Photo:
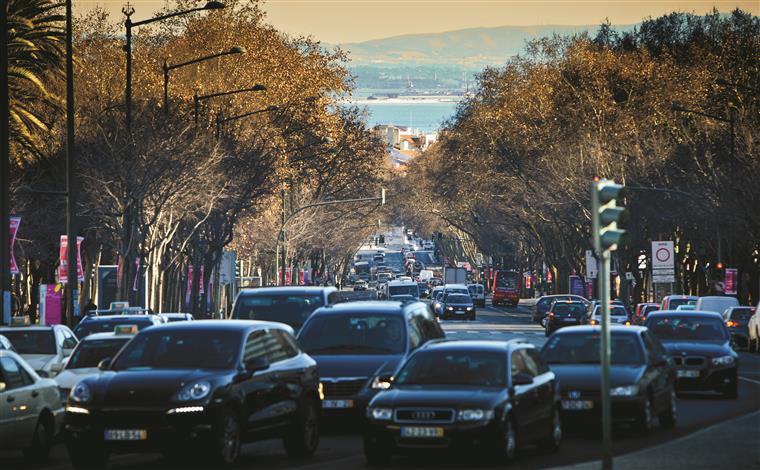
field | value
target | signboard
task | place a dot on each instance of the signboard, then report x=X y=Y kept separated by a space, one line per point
x=663 y=262
x=592 y=268
x=576 y=286
x=63 y=265
x=107 y=285
x=730 y=281
x=15 y=222
x=227 y=268
x=51 y=303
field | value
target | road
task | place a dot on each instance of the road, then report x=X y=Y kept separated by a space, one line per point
x=343 y=450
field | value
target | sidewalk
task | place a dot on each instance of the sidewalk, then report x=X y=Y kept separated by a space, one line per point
x=730 y=444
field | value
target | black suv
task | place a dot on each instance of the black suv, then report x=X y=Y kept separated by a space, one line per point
x=543 y=304
x=491 y=395
x=203 y=385
x=359 y=345
x=565 y=313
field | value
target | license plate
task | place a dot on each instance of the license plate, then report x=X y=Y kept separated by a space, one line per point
x=125 y=434
x=577 y=404
x=421 y=432
x=337 y=404
x=690 y=374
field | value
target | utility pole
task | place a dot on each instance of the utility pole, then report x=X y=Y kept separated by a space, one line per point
x=71 y=231
x=5 y=170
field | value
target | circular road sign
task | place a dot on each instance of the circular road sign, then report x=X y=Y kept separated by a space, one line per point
x=662 y=254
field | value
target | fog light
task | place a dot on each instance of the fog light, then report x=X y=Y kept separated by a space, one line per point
x=185 y=409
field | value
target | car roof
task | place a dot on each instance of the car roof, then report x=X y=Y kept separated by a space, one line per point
x=685 y=313
x=222 y=325
x=452 y=286
x=30 y=327
x=402 y=282
x=598 y=329
x=371 y=306
x=107 y=335
x=286 y=289
x=471 y=344
x=681 y=296
x=95 y=318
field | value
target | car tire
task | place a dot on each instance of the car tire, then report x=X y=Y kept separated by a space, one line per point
x=668 y=417
x=39 y=451
x=302 y=439
x=553 y=439
x=377 y=454
x=86 y=456
x=508 y=443
x=226 y=446
x=645 y=422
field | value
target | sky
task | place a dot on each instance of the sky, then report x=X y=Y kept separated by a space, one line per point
x=346 y=21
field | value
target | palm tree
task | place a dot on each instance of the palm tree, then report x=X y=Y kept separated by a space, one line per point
x=36 y=51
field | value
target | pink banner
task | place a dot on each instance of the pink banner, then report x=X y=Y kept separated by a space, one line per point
x=53 y=304
x=202 y=282
x=135 y=283
x=730 y=280
x=189 y=289
x=15 y=222
x=63 y=265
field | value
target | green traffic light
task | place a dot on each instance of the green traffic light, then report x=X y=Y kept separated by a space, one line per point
x=613 y=214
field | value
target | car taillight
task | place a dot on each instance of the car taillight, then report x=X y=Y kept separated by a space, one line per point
x=732 y=324
x=593 y=322
x=627 y=323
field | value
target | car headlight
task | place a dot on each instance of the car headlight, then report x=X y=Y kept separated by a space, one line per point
x=723 y=361
x=81 y=393
x=626 y=391
x=469 y=309
x=381 y=383
x=450 y=308
x=194 y=391
x=380 y=414
x=474 y=415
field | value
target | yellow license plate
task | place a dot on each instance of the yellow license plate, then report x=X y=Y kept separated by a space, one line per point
x=421 y=432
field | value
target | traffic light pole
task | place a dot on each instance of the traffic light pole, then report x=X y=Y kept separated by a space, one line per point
x=604 y=296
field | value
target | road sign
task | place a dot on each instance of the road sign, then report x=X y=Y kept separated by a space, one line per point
x=663 y=262
x=592 y=269
x=629 y=276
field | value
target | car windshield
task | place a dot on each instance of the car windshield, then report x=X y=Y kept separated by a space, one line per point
x=180 y=349
x=583 y=348
x=649 y=309
x=87 y=328
x=569 y=309
x=741 y=315
x=357 y=333
x=292 y=309
x=90 y=353
x=506 y=280
x=683 y=327
x=403 y=290
x=458 y=299
x=473 y=368
x=615 y=311
x=674 y=303
x=31 y=341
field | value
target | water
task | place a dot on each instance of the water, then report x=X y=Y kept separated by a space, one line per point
x=426 y=116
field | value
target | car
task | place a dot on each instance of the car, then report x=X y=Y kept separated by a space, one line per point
x=6 y=344
x=87 y=355
x=737 y=321
x=671 y=302
x=486 y=396
x=424 y=290
x=478 y=294
x=202 y=388
x=359 y=346
x=107 y=323
x=172 y=317
x=544 y=303
x=402 y=287
x=564 y=313
x=701 y=348
x=716 y=303
x=753 y=327
x=642 y=376
x=42 y=347
x=618 y=315
x=641 y=312
x=289 y=305
x=383 y=278
x=459 y=306
x=31 y=413
x=360 y=285
x=456 y=288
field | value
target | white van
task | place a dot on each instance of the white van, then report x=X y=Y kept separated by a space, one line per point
x=716 y=303
x=478 y=294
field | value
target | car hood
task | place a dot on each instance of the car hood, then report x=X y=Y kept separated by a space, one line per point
x=38 y=361
x=459 y=305
x=587 y=376
x=70 y=377
x=145 y=387
x=443 y=396
x=356 y=366
x=700 y=348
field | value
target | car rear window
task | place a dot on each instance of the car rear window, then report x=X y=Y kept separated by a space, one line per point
x=359 y=333
x=741 y=315
x=87 y=328
x=292 y=309
x=583 y=348
x=31 y=341
x=569 y=309
x=683 y=327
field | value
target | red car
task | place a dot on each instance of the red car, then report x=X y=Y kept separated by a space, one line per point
x=641 y=312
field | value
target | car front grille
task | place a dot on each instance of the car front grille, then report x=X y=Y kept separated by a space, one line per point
x=424 y=415
x=343 y=387
x=689 y=360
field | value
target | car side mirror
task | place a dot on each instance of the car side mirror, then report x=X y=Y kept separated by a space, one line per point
x=256 y=364
x=56 y=368
x=522 y=379
x=104 y=364
x=67 y=351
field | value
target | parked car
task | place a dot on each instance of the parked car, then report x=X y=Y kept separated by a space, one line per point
x=565 y=313
x=753 y=327
x=459 y=306
x=289 y=305
x=478 y=294
x=359 y=346
x=716 y=303
x=203 y=386
x=488 y=396
x=671 y=302
x=108 y=323
x=544 y=303
x=172 y=317
x=642 y=376
x=737 y=321
x=618 y=315
x=42 y=347
x=700 y=345
x=31 y=413
x=641 y=312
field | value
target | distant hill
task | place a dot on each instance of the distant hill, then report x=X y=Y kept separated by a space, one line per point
x=466 y=47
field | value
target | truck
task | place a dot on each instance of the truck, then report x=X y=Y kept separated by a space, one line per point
x=454 y=275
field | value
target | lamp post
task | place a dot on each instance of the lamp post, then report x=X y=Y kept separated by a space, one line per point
x=197 y=99
x=5 y=169
x=221 y=120
x=71 y=188
x=167 y=68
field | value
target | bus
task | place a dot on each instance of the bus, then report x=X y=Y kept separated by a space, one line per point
x=506 y=288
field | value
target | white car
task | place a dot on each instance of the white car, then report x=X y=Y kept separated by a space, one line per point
x=478 y=294
x=618 y=315
x=754 y=330
x=31 y=413
x=43 y=347
x=84 y=361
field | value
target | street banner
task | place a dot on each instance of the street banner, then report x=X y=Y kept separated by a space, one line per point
x=589 y=289
x=301 y=277
x=189 y=289
x=592 y=268
x=52 y=298
x=14 y=223
x=63 y=265
x=118 y=272
x=135 y=285
x=227 y=268
x=730 y=282
x=576 y=285
x=202 y=281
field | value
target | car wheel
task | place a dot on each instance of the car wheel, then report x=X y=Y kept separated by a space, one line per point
x=377 y=454
x=668 y=417
x=508 y=449
x=42 y=440
x=85 y=456
x=302 y=439
x=227 y=445
x=645 y=423
x=553 y=439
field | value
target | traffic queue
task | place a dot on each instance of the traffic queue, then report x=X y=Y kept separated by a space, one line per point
x=289 y=358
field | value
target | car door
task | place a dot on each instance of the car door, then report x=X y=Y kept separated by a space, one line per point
x=658 y=370
x=543 y=381
x=256 y=388
x=7 y=436
x=286 y=373
x=523 y=397
x=19 y=400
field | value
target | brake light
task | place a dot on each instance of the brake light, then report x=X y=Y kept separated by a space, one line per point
x=593 y=322
x=551 y=315
x=627 y=323
x=732 y=323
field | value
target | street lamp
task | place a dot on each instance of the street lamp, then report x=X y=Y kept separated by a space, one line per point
x=167 y=68
x=220 y=120
x=197 y=99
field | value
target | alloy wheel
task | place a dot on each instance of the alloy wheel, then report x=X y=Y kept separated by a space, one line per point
x=510 y=441
x=230 y=440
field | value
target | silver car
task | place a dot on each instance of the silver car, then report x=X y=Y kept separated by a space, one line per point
x=43 y=347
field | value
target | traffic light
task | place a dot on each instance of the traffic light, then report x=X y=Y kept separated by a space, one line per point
x=606 y=215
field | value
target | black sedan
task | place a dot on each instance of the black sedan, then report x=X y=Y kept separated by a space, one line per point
x=701 y=348
x=482 y=396
x=565 y=313
x=642 y=376
x=737 y=321
x=198 y=387
x=459 y=307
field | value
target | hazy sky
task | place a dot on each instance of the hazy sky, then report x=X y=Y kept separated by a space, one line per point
x=340 y=21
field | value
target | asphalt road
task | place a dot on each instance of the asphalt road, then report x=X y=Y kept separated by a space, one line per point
x=342 y=448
